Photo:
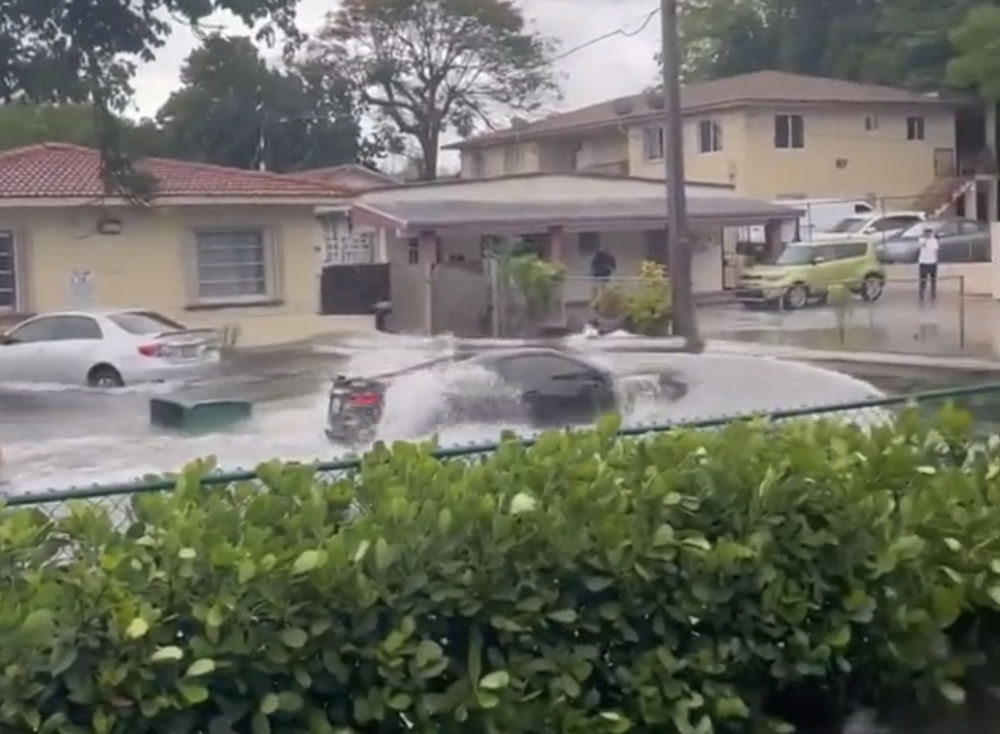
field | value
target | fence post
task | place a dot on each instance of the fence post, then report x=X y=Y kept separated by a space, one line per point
x=961 y=312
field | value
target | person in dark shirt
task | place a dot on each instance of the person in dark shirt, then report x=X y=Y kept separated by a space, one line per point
x=603 y=265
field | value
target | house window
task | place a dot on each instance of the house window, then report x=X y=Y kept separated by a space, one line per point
x=914 y=128
x=8 y=273
x=871 y=122
x=588 y=243
x=477 y=164
x=513 y=157
x=789 y=132
x=346 y=245
x=231 y=265
x=413 y=252
x=709 y=136
x=652 y=143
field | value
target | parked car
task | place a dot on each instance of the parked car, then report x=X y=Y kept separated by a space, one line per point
x=877 y=226
x=106 y=349
x=961 y=240
x=806 y=271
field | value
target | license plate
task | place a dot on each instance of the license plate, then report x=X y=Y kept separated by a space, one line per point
x=336 y=403
x=189 y=352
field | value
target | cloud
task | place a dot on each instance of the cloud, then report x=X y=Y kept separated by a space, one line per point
x=613 y=67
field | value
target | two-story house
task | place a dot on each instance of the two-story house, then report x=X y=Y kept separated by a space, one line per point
x=770 y=135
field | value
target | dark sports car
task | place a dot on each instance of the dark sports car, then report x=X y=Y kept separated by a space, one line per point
x=544 y=387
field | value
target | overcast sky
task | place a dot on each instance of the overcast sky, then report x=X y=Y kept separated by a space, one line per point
x=613 y=67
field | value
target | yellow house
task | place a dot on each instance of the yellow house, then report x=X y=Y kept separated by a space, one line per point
x=769 y=134
x=214 y=247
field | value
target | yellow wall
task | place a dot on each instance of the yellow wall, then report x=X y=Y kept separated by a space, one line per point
x=603 y=149
x=150 y=264
x=719 y=167
x=879 y=162
x=497 y=161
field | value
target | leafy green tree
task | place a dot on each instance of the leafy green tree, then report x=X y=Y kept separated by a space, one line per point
x=86 y=51
x=235 y=110
x=901 y=43
x=29 y=124
x=977 y=55
x=819 y=37
x=427 y=66
x=910 y=46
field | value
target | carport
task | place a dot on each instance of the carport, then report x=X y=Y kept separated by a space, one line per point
x=455 y=224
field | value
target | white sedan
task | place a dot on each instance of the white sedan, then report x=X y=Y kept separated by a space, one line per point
x=106 y=349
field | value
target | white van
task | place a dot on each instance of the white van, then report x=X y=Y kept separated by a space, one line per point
x=822 y=215
x=818 y=215
x=883 y=226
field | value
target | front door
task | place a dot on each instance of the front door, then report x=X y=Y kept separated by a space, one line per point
x=944 y=162
x=8 y=273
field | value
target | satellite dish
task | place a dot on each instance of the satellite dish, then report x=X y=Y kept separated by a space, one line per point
x=655 y=100
x=623 y=107
x=518 y=123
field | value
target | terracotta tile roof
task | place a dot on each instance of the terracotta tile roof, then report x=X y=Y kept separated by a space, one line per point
x=347 y=169
x=60 y=170
x=761 y=87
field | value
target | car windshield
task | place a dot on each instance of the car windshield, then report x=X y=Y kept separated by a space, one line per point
x=796 y=255
x=144 y=323
x=849 y=225
x=918 y=229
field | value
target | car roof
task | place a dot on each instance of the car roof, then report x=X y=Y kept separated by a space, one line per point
x=97 y=313
x=832 y=241
x=492 y=356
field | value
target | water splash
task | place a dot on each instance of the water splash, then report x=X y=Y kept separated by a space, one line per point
x=122 y=447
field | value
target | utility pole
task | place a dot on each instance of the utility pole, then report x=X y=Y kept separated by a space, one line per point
x=678 y=236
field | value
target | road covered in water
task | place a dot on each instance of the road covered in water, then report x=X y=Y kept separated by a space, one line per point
x=55 y=437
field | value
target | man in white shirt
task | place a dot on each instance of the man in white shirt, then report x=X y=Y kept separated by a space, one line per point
x=927 y=263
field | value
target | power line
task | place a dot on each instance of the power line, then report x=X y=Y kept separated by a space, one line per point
x=624 y=32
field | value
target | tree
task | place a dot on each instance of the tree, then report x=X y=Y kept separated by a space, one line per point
x=427 y=66
x=977 y=52
x=235 y=110
x=900 y=43
x=86 y=51
x=29 y=124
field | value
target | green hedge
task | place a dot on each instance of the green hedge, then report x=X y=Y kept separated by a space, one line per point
x=745 y=580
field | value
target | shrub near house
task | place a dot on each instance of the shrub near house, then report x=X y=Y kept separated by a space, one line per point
x=738 y=580
x=642 y=305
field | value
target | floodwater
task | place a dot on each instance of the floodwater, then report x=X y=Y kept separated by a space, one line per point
x=55 y=437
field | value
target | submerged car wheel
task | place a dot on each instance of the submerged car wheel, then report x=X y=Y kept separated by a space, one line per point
x=106 y=376
x=796 y=297
x=872 y=288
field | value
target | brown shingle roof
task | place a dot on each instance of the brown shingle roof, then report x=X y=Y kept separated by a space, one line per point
x=760 y=87
x=61 y=170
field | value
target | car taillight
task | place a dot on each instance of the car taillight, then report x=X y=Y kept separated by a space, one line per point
x=151 y=350
x=364 y=400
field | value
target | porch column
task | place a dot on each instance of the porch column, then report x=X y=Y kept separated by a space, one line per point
x=427 y=249
x=772 y=237
x=554 y=245
x=993 y=198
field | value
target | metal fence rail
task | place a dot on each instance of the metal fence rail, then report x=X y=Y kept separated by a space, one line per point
x=982 y=401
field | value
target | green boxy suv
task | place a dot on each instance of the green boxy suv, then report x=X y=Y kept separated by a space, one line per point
x=806 y=271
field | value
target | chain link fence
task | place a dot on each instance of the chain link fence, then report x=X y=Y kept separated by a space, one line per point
x=899 y=320
x=982 y=402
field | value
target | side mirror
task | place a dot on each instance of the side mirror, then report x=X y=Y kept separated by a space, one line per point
x=818 y=260
x=7 y=339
